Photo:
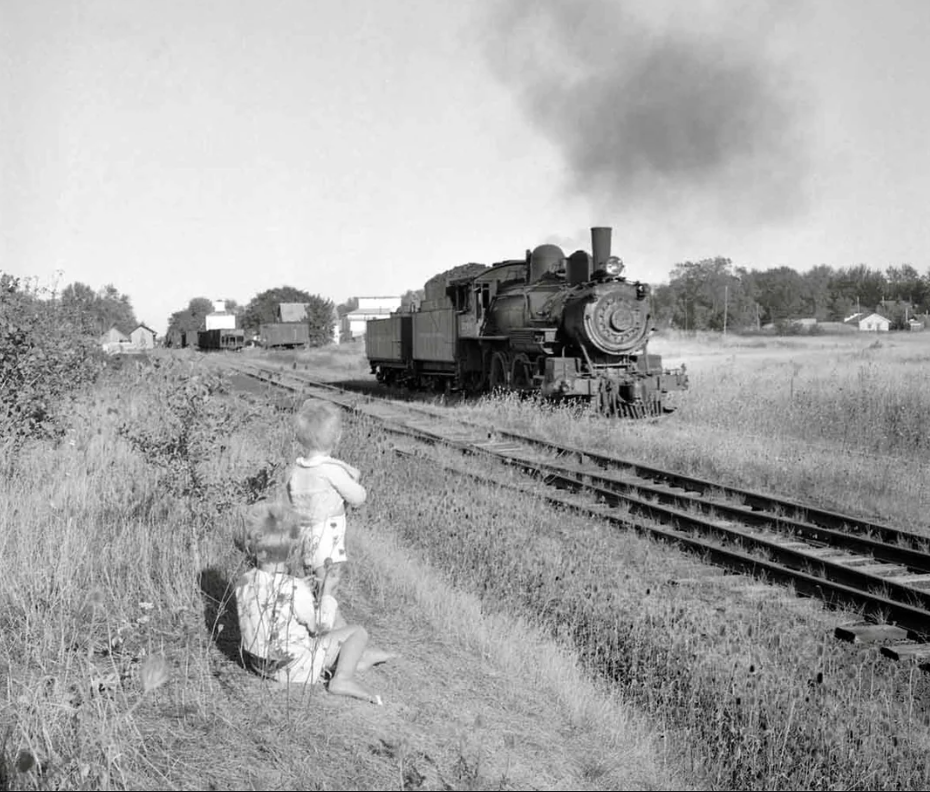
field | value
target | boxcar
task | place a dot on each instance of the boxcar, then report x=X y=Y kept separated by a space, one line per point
x=284 y=335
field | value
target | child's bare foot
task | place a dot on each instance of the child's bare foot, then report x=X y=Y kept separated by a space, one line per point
x=342 y=686
x=372 y=657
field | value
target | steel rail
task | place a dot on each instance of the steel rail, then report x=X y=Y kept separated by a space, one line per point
x=807 y=514
x=903 y=604
x=832 y=592
x=882 y=551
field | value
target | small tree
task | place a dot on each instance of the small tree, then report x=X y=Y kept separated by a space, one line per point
x=104 y=309
x=411 y=299
x=263 y=309
x=191 y=318
x=321 y=314
x=347 y=307
x=47 y=350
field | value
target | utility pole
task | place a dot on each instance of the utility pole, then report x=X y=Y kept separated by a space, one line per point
x=726 y=302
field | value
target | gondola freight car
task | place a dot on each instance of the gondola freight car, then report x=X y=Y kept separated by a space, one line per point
x=389 y=341
x=566 y=327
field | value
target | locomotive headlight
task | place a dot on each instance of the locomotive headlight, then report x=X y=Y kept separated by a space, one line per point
x=614 y=267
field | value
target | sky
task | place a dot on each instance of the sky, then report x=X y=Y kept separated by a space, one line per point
x=219 y=148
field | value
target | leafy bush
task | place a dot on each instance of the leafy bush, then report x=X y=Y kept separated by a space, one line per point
x=181 y=424
x=46 y=352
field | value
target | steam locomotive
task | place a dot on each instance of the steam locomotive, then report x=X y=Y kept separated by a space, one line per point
x=564 y=327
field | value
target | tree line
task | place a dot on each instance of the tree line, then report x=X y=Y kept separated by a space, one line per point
x=712 y=294
x=709 y=294
x=262 y=309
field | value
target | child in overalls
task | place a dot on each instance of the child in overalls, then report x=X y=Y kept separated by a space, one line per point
x=319 y=488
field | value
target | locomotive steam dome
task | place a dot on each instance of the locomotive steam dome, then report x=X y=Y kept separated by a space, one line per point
x=543 y=259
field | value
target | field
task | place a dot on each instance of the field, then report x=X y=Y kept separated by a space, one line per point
x=539 y=650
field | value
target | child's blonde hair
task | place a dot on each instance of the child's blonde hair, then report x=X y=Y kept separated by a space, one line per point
x=318 y=425
x=270 y=531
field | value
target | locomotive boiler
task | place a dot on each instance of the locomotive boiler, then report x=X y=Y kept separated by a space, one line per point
x=566 y=327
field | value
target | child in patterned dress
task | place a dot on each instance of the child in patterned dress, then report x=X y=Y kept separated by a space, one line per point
x=281 y=634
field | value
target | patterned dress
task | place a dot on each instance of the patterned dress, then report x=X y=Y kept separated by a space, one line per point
x=279 y=625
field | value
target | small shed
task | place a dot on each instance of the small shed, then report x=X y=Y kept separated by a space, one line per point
x=113 y=340
x=142 y=337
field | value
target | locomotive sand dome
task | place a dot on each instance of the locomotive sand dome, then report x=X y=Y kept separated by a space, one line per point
x=566 y=327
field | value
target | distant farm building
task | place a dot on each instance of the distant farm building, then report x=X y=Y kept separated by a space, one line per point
x=353 y=323
x=297 y=312
x=220 y=319
x=874 y=323
x=142 y=338
x=113 y=341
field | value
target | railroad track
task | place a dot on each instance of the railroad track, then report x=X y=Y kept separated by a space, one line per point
x=882 y=572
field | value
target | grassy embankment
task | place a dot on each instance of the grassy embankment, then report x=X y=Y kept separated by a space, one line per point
x=120 y=653
x=747 y=691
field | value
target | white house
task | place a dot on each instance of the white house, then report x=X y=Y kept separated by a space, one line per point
x=354 y=323
x=875 y=323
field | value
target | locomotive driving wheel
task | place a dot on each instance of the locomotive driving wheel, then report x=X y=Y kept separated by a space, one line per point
x=499 y=377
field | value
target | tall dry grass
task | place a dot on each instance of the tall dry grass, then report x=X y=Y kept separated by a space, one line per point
x=119 y=660
x=753 y=691
x=842 y=421
x=115 y=540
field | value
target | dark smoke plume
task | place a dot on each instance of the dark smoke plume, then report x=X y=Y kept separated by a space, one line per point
x=685 y=108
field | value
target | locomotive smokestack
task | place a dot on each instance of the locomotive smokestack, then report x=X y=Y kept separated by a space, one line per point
x=600 y=245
